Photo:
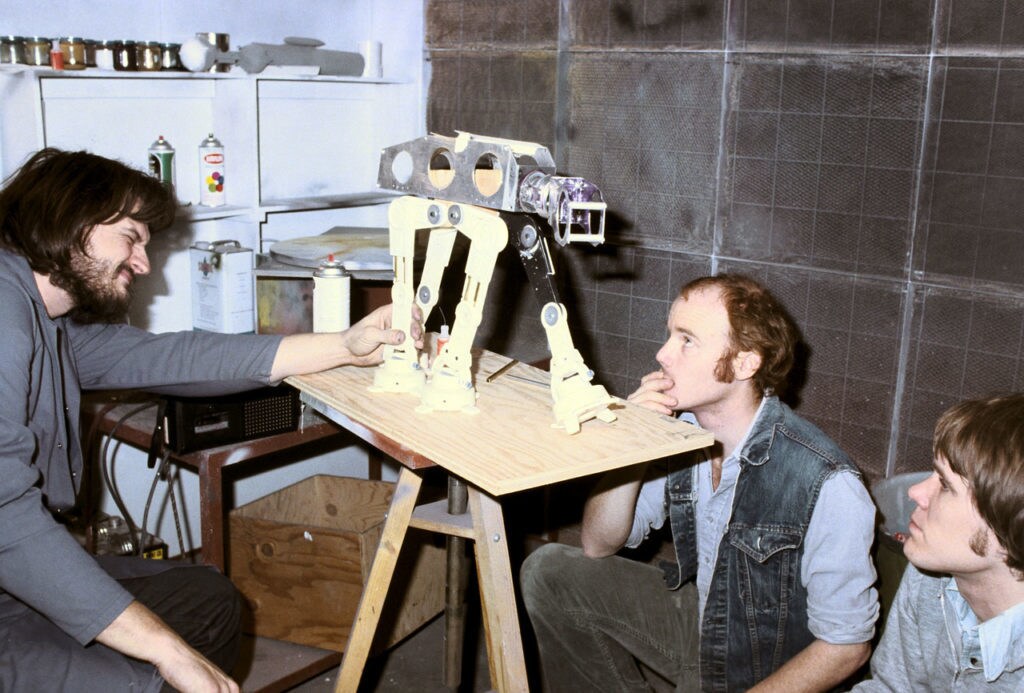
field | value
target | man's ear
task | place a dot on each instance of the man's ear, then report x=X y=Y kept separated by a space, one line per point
x=746 y=364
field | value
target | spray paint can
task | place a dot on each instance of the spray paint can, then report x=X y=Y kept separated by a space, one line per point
x=161 y=161
x=211 y=172
x=331 y=296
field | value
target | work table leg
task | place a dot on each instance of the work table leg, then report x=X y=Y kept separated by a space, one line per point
x=211 y=514
x=371 y=603
x=455 y=589
x=497 y=595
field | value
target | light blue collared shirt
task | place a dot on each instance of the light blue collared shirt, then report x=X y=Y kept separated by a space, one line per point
x=989 y=645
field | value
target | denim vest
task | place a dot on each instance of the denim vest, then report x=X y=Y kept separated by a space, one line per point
x=755 y=618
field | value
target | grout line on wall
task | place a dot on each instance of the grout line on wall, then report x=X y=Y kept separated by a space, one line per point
x=910 y=292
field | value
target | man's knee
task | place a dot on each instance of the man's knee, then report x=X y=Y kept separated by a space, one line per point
x=221 y=597
x=543 y=573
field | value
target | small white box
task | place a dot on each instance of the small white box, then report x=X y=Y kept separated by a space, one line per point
x=222 y=287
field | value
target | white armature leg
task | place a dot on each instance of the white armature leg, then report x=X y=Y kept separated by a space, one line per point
x=401 y=371
x=576 y=399
x=439 y=254
x=450 y=387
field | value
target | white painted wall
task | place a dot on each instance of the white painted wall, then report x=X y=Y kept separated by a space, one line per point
x=164 y=302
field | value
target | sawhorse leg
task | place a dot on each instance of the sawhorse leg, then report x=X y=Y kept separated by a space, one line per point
x=483 y=524
x=372 y=600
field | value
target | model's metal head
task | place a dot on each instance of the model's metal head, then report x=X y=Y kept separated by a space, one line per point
x=509 y=175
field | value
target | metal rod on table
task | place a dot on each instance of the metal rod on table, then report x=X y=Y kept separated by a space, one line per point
x=455 y=589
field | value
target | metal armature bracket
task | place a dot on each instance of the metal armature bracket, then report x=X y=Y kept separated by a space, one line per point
x=507 y=175
x=487 y=189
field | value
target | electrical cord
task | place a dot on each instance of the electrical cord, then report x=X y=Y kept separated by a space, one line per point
x=108 y=474
x=161 y=472
x=166 y=472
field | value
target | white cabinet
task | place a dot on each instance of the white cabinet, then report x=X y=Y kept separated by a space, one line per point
x=301 y=152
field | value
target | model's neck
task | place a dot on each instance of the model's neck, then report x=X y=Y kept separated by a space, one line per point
x=991 y=593
x=56 y=300
x=729 y=419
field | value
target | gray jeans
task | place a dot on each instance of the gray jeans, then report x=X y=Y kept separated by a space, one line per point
x=609 y=624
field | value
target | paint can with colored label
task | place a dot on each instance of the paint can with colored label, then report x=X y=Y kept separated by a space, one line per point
x=161 y=161
x=211 y=172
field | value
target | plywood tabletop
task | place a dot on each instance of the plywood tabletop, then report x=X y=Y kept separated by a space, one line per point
x=510 y=444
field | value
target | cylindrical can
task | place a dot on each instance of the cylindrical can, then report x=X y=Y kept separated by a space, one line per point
x=37 y=50
x=124 y=57
x=211 y=172
x=169 y=56
x=331 y=296
x=161 y=161
x=105 y=53
x=147 y=56
x=90 y=52
x=12 y=49
x=72 y=48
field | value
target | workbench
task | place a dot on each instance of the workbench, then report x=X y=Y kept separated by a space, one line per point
x=134 y=422
x=509 y=445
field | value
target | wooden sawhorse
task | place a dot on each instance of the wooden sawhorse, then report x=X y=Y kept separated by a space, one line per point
x=508 y=446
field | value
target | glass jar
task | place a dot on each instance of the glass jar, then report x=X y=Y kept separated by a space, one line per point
x=12 y=49
x=90 y=52
x=169 y=56
x=37 y=50
x=106 y=53
x=124 y=57
x=73 y=50
x=147 y=56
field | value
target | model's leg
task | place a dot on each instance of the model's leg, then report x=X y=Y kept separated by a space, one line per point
x=595 y=619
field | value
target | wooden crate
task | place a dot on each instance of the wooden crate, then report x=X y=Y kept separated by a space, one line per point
x=301 y=557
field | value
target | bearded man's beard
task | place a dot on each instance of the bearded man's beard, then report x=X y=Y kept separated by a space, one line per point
x=94 y=289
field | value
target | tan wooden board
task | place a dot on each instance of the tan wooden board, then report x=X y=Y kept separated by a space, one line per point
x=510 y=445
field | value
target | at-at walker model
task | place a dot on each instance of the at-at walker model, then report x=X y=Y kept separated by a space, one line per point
x=492 y=191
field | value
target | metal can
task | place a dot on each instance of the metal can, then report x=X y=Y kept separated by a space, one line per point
x=37 y=50
x=331 y=296
x=147 y=56
x=72 y=49
x=12 y=49
x=211 y=172
x=105 y=54
x=169 y=56
x=161 y=161
x=125 y=59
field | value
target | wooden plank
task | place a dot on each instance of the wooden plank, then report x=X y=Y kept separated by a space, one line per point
x=434 y=517
x=497 y=595
x=273 y=666
x=510 y=445
x=371 y=603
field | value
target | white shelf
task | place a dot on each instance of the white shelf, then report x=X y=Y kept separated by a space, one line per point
x=236 y=73
x=200 y=213
x=363 y=199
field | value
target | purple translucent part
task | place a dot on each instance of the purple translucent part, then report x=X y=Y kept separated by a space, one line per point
x=555 y=198
x=576 y=190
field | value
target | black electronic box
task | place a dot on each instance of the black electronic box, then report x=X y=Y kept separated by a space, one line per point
x=196 y=423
